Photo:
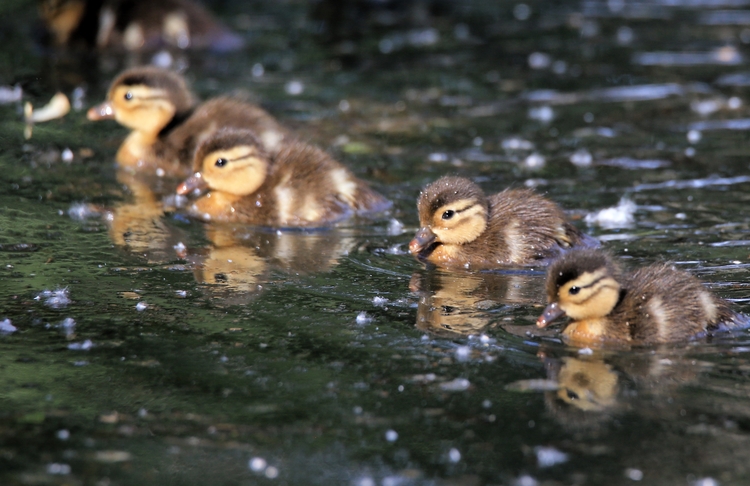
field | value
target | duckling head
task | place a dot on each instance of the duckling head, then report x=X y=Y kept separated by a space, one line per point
x=452 y=211
x=229 y=161
x=145 y=99
x=582 y=284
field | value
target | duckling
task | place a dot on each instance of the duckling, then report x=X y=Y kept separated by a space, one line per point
x=135 y=24
x=463 y=228
x=167 y=126
x=298 y=186
x=654 y=304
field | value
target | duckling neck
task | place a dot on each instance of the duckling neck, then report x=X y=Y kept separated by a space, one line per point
x=135 y=150
x=177 y=120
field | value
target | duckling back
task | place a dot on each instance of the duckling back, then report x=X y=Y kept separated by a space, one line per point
x=526 y=227
x=661 y=304
x=308 y=187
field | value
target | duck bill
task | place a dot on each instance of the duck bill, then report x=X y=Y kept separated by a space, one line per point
x=423 y=241
x=193 y=183
x=551 y=313
x=102 y=111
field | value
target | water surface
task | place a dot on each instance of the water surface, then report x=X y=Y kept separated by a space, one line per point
x=151 y=349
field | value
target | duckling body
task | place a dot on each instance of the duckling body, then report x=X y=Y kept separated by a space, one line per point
x=166 y=124
x=460 y=227
x=135 y=25
x=654 y=304
x=297 y=186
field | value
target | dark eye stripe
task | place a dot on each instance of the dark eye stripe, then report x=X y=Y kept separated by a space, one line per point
x=226 y=160
x=594 y=294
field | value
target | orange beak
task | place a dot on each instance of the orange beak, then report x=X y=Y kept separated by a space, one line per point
x=551 y=313
x=422 y=241
x=102 y=111
x=192 y=183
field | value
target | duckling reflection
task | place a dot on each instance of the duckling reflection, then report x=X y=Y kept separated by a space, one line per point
x=134 y=24
x=240 y=260
x=591 y=389
x=138 y=224
x=460 y=304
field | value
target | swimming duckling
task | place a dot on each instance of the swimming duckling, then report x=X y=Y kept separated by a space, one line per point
x=463 y=228
x=654 y=304
x=135 y=24
x=167 y=127
x=298 y=186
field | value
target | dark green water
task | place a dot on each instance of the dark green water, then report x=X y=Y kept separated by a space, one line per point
x=333 y=357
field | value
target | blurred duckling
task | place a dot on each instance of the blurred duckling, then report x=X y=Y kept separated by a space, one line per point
x=655 y=304
x=166 y=125
x=135 y=25
x=460 y=227
x=298 y=186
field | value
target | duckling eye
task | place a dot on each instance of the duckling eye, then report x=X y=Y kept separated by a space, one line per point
x=448 y=214
x=574 y=290
x=128 y=96
x=572 y=395
x=221 y=162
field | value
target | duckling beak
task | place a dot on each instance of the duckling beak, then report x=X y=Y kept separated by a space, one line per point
x=551 y=313
x=193 y=183
x=422 y=241
x=102 y=111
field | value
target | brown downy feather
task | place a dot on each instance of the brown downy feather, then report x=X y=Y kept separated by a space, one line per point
x=304 y=187
x=654 y=304
x=172 y=146
x=522 y=227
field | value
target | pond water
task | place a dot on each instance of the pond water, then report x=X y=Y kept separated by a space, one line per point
x=332 y=357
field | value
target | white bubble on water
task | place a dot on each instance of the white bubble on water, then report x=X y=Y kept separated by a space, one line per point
x=7 y=327
x=379 y=301
x=84 y=346
x=258 y=70
x=634 y=474
x=581 y=158
x=549 y=456
x=294 y=87
x=257 y=464
x=544 y=113
x=535 y=161
x=522 y=11
x=463 y=353
x=539 y=60
x=59 y=469
x=454 y=455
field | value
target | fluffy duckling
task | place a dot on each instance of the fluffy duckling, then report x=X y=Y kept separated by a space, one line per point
x=298 y=186
x=655 y=304
x=158 y=107
x=460 y=227
x=135 y=24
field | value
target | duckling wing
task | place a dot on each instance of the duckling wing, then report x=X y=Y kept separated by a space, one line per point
x=662 y=304
x=309 y=187
x=528 y=227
